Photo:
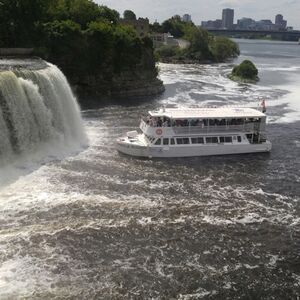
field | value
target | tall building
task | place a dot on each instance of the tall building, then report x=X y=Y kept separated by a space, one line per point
x=279 y=22
x=265 y=25
x=278 y=19
x=187 y=18
x=245 y=23
x=227 y=18
x=216 y=24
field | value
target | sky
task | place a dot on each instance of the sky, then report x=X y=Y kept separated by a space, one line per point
x=203 y=10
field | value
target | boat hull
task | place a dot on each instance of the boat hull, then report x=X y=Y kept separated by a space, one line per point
x=189 y=151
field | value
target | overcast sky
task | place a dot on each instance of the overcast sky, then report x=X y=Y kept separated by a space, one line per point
x=203 y=10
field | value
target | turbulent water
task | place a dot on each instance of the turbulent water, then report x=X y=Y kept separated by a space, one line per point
x=100 y=225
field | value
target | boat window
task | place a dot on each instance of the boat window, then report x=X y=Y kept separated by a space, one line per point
x=249 y=137
x=172 y=141
x=222 y=139
x=211 y=122
x=198 y=140
x=179 y=141
x=212 y=140
x=158 y=142
x=166 y=141
x=228 y=139
x=223 y=122
x=239 y=139
x=186 y=141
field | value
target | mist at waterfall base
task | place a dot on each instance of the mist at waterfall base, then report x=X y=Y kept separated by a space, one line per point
x=100 y=225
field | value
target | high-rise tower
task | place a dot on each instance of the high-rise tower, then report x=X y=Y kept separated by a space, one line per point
x=227 y=18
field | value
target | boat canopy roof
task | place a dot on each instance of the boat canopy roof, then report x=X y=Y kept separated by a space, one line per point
x=208 y=113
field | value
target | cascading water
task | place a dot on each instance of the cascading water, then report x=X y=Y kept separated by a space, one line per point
x=37 y=111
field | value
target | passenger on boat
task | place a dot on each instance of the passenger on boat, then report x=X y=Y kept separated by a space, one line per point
x=159 y=122
x=153 y=122
x=165 y=123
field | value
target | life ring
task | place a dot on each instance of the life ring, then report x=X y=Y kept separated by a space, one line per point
x=158 y=131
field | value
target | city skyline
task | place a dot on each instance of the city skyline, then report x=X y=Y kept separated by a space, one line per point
x=202 y=10
x=228 y=22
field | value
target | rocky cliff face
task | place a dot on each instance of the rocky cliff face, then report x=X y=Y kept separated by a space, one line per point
x=113 y=80
x=128 y=84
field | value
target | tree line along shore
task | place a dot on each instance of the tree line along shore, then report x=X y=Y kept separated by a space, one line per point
x=98 y=52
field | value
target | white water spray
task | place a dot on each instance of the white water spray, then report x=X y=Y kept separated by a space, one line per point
x=38 y=114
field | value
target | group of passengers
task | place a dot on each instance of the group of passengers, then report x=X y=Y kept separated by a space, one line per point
x=167 y=122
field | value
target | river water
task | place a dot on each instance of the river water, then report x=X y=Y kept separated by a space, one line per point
x=100 y=225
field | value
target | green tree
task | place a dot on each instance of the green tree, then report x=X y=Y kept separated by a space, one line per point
x=127 y=48
x=129 y=15
x=223 y=48
x=199 y=39
x=203 y=46
x=64 y=43
x=99 y=36
x=82 y=12
x=156 y=27
x=18 y=20
x=175 y=26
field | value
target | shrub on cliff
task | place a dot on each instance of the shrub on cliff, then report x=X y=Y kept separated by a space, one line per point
x=246 y=71
x=166 y=51
x=113 y=48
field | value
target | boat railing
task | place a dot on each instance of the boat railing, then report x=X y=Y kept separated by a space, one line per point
x=216 y=128
x=247 y=127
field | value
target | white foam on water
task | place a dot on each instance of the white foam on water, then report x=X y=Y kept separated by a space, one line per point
x=215 y=85
x=41 y=190
x=20 y=276
x=292 y=100
x=297 y=279
x=199 y=294
x=28 y=162
x=249 y=218
x=216 y=221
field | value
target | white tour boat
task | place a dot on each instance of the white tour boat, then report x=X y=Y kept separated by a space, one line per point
x=198 y=131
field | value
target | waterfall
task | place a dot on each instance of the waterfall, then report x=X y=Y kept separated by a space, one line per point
x=37 y=110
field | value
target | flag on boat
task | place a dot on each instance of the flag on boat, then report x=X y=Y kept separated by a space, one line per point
x=263 y=105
